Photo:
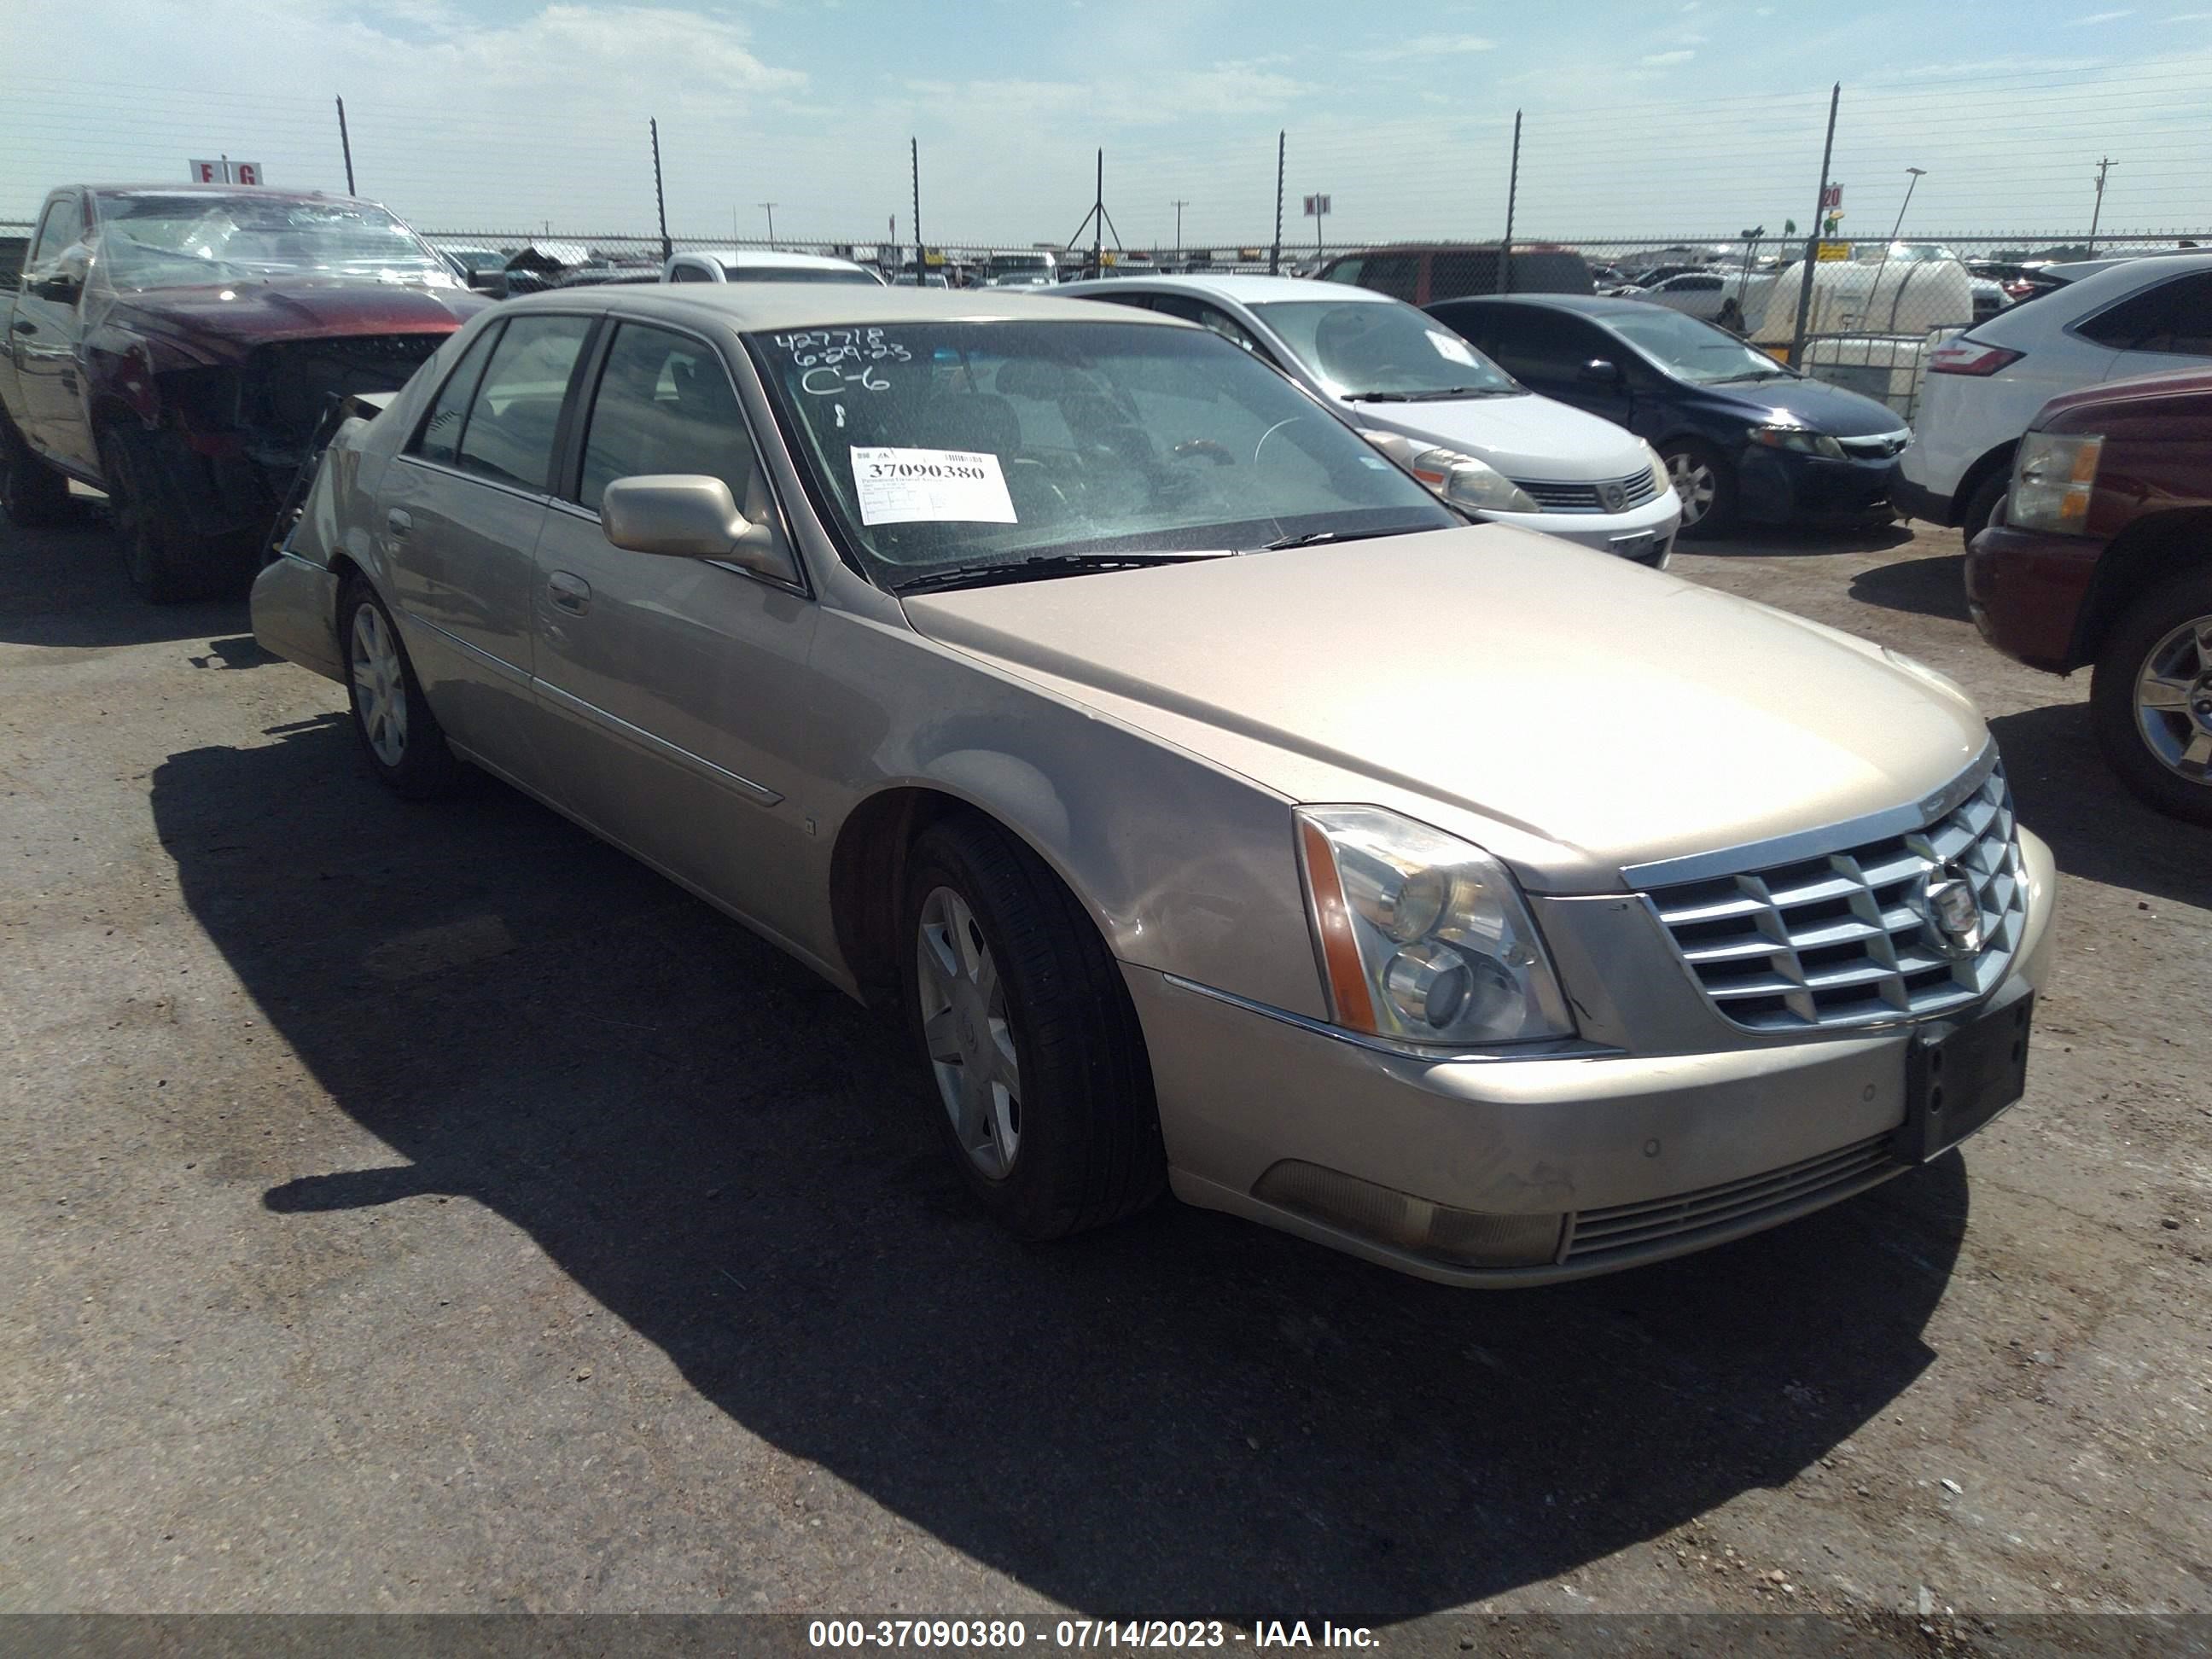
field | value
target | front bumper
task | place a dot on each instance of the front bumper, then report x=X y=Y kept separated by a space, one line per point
x=1918 y=501
x=2025 y=588
x=1775 y=487
x=1644 y=533
x=1725 y=1142
x=294 y=610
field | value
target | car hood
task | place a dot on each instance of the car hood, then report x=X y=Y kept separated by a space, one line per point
x=293 y=308
x=1828 y=409
x=1523 y=436
x=1600 y=715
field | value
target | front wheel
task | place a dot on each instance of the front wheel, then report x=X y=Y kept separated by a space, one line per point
x=1706 y=483
x=2150 y=699
x=400 y=738
x=157 y=554
x=1043 y=1089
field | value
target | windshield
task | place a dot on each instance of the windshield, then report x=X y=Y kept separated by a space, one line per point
x=797 y=274
x=184 y=241
x=936 y=445
x=1689 y=349
x=1362 y=348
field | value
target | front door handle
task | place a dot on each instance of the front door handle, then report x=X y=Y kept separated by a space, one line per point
x=399 y=524
x=25 y=326
x=571 y=593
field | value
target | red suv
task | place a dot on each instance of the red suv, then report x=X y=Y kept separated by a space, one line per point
x=2102 y=553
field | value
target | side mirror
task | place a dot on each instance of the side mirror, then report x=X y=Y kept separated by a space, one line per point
x=688 y=515
x=63 y=287
x=1602 y=370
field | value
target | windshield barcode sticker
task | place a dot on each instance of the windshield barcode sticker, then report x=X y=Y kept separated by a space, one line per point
x=920 y=486
x=1452 y=347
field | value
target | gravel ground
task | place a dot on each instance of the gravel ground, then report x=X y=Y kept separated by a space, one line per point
x=428 y=1208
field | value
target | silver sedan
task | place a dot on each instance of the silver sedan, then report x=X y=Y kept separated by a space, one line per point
x=1220 y=808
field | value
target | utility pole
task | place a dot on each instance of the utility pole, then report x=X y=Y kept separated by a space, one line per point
x=771 y=206
x=1180 y=205
x=659 y=200
x=1275 y=253
x=2102 y=166
x=1512 y=192
x=346 y=144
x=913 y=156
x=1098 y=227
x=1813 y=242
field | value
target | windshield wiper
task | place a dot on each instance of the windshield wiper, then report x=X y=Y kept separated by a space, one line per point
x=1041 y=566
x=1426 y=397
x=1322 y=537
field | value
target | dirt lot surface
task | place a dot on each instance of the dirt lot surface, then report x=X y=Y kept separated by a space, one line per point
x=427 y=1208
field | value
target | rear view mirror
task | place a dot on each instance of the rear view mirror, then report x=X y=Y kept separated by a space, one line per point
x=1602 y=370
x=688 y=515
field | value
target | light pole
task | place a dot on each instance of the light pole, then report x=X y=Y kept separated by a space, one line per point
x=1179 y=206
x=1874 y=293
x=771 y=206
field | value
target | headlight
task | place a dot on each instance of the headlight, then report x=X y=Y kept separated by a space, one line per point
x=1465 y=481
x=1803 y=439
x=1424 y=938
x=2052 y=479
x=1662 y=479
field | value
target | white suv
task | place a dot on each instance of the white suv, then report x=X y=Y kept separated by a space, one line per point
x=2139 y=317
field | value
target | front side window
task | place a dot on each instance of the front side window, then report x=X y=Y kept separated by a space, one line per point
x=155 y=241
x=1397 y=275
x=1463 y=272
x=932 y=446
x=798 y=274
x=1544 y=345
x=1371 y=350
x=689 y=274
x=665 y=404
x=65 y=219
x=512 y=420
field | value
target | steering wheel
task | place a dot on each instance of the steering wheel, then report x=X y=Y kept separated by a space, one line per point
x=1191 y=449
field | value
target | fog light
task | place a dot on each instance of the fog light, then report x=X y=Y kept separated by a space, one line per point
x=1459 y=1238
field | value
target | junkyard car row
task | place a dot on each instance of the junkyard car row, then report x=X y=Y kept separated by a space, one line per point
x=1155 y=696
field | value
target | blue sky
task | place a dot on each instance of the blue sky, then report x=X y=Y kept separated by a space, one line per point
x=1674 y=117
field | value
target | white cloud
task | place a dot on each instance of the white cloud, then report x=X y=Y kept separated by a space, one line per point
x=1667 y=59
x=2096 y=17
x=1427 y=45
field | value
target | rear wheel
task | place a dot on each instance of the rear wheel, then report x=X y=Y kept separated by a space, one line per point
x=2151 y=700
x=400 y=738
x=1043 y=1089
x=1706 y=483
x=1983 y=503
x=32 y=494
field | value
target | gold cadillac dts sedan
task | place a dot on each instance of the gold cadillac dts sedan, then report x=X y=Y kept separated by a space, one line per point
x=1220 y=808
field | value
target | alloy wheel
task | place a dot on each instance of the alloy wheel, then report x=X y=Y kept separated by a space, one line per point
x=2173 y=701
x=1694 y=482
x=379 y=685
x=966 y=1032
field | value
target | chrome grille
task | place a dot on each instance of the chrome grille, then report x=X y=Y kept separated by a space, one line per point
x=1847 y=938
x=1879 y=448
x=1740 y=1206
x=1635 y=490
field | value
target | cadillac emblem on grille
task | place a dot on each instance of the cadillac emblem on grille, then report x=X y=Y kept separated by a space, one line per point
x=1950 y=916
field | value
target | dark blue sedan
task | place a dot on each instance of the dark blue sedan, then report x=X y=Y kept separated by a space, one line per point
x=1743 y=437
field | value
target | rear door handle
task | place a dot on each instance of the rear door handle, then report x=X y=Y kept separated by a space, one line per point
x=571 y=593
x=399 y=524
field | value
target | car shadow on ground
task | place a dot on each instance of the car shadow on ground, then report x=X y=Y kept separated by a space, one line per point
x=67 y=587
x=1763 y=541
x=2097 y=830
x=1934 y=586
x=1183 y=1412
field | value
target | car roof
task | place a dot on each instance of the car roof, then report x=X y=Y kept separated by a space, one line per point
x=770 y=259
x=1589 y=305
x=261 y=192
x=1245 y=290
x=750 y=307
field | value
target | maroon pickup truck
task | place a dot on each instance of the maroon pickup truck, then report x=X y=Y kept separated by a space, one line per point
x=2101 y=555
x=178 y=346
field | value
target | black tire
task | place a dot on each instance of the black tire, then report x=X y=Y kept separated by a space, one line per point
x=32 y=494
x=422 y=766
x=2128 y=648
x=1688 y=456
x=1089 y=1149
x=1983 y=502
x=165 y=566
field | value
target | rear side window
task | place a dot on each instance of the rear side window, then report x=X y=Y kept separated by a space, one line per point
x=1556 y=272
x=440 y=436
x=1475 y=324
x=689 y=274
x=1541 y=345
x=1345 y=270
x=1463 y=272
x=1393 y=274
x=508 y=436
x=2174 y=317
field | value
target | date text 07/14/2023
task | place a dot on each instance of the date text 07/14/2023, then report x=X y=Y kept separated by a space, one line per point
x=1096 y=1634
